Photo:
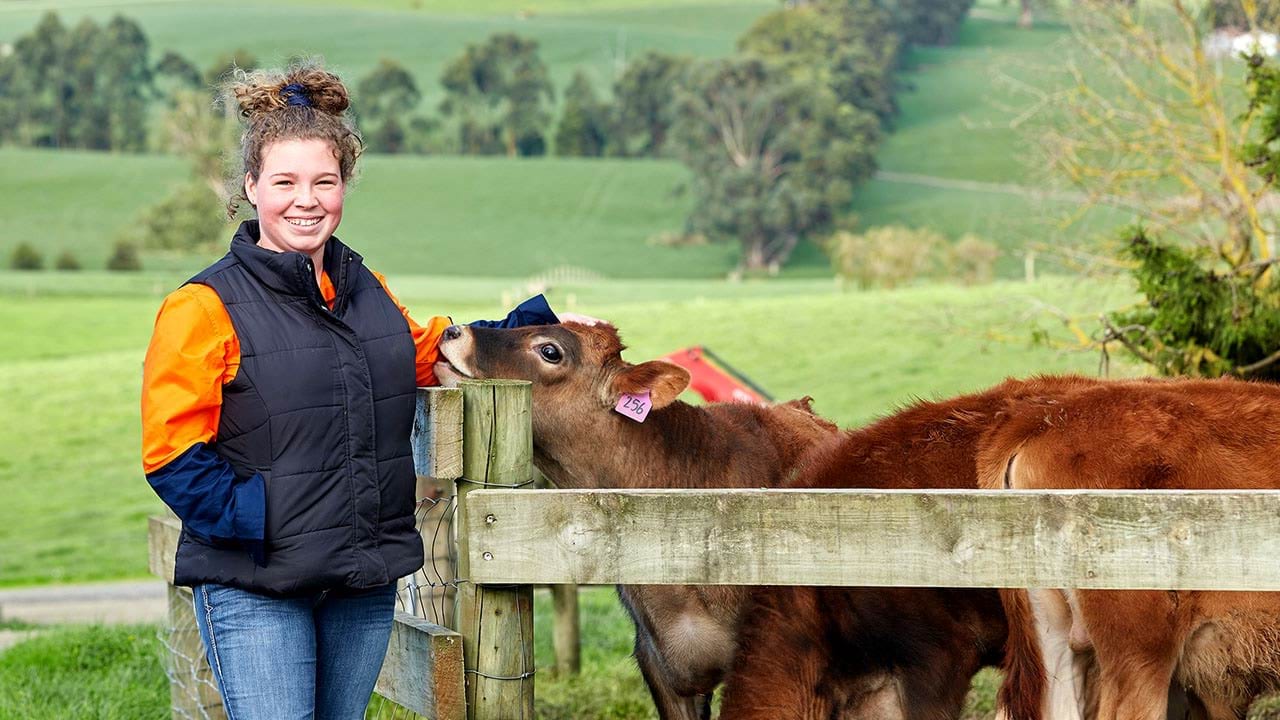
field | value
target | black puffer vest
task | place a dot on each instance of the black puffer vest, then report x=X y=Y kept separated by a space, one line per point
x=322 y=407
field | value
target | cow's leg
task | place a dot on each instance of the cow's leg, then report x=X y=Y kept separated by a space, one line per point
x=779 y=670
x=1064 y=693
x=927 y=694
x=1136 y=643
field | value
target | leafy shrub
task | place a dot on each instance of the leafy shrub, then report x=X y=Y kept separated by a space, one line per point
x=26 y=257
x=1198 y=318
x=124 y=257
x=972 y=260
x=190 y=219
x=886 y=256
x=67 y=261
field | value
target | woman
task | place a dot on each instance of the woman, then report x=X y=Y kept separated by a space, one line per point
x=277 y=403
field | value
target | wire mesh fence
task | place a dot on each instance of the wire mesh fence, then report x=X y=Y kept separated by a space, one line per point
x=428 y=594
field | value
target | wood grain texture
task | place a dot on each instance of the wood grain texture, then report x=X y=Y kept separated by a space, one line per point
x=565 y=629
x=423 y=669
x=496 y=623
x=437 y=433
x=1085 y=539
x=162 y=545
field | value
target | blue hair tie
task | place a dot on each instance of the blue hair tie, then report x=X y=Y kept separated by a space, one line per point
x=295 y=94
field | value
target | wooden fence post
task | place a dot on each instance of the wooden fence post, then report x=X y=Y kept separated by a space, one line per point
x=496 y=622
x=437 y=462
x=564 y=631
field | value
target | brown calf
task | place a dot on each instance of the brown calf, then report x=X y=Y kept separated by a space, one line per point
x=685 y=636
x=1158 y=435
x=880 y=653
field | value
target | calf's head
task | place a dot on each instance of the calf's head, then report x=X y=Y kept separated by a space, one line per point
x=577 y=371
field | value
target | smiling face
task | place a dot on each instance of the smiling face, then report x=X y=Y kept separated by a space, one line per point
x=298 y=195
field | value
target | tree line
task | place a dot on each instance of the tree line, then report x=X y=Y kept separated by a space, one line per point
x=777 y=136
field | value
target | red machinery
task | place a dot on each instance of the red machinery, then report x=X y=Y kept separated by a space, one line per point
x=716 y=380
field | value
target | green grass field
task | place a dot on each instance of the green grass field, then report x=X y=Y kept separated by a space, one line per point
x=71 y=366
x=501 y=218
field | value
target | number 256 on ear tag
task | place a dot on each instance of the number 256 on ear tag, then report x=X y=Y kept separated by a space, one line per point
x=634 y=406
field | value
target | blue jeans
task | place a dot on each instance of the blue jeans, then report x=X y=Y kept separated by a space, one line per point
x=294 y=658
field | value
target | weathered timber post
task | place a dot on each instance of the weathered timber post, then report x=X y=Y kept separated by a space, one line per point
x=564 y=631
x=496 y=622
x=437 y=462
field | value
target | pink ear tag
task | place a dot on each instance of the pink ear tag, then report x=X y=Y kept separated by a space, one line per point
x=634 y=406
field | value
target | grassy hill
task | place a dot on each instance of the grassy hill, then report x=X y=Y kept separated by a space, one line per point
x=953 y=163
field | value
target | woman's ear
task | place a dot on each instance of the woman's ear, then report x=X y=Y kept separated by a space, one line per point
x=251 y=189
x=664 y=381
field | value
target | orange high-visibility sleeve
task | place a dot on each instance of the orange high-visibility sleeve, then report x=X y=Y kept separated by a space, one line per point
x=426 y=339
x=193 y=353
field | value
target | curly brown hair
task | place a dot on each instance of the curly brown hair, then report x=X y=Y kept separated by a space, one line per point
x=302 y=102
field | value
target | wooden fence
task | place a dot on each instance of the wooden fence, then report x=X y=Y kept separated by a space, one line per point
x=510 y=539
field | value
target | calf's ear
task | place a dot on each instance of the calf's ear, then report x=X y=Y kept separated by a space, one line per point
x=662 y=379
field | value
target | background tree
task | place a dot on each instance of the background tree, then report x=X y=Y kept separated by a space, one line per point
x=126 y=82
x=387 y=96
x=178 y=71
x=86 y=104
x=774 y=159
x=86 y=88
x=190 y=219
x=644 y=104
x=225 y=63
x=34 y=84
x=848 y=45
x=196 y=130
x=498 y=91
x=584 y=122
x=929 y=22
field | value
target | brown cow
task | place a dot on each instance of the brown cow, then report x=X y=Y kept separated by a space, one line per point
x=1158 y=435
x=685 y=636
x=881 y=653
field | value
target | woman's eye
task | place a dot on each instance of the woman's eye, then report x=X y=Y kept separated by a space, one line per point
x=283 y=183
x=550 y=353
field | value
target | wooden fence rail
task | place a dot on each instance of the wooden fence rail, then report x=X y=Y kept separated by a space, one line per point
x=939 y=538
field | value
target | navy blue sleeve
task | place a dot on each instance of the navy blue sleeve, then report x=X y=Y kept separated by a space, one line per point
x=534 y=311
x=203 y=491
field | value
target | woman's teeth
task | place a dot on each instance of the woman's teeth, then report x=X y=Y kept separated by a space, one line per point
x=302 y=222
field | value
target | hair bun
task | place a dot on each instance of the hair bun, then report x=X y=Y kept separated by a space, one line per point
x=262 y=91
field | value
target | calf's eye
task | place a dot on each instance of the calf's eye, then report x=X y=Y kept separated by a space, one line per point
x=550 y=353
